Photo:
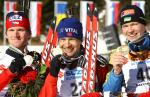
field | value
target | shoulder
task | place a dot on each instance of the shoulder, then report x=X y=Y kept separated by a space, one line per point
x=2 y=54
x=5 y=59
x=102 y=61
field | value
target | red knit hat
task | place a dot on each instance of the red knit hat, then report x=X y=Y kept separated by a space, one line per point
x=17 y=19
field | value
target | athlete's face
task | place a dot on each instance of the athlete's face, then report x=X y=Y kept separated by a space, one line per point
x=69 y=45
x=133 y=30
x=18 y=37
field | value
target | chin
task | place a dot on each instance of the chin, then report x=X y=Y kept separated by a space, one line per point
x=17 y=46
x=69 y=54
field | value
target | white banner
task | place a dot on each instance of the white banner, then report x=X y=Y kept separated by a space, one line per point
x=83 y=14
x=35 y=13
x=112 y=12
x=8 y=7
x=140 y=4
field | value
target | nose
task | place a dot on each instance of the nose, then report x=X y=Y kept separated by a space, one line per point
x=16 y=33
x=67 y=43
x=130 y=29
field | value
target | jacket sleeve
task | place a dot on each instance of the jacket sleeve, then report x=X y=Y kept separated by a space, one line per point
x=113 y=82
x=102 y=68
x=50 y=87
x=101 y=72
x=6 y=76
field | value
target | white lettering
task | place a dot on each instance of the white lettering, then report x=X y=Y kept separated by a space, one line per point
x=93 y=62
x=15 y=17
x=45 y=54
x=71 y=30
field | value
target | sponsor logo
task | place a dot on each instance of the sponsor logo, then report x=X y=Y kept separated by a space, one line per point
x=73 y=30
x=127 y=19
x=127 y=12
x=15 y=17
x=60 y=74
x=93 y=62
x=74 y=73
x=69 y=30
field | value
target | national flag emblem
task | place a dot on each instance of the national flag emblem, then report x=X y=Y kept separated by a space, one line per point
x=35 y=14
x=70 y=34
x=60 y=10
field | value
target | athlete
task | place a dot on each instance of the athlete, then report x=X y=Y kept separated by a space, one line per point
x=65 y=77
x=12 y=61
x=132 y=71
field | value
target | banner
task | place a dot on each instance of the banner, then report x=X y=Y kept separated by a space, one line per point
x=8 y=7
x=140 y=4
x=112 y=12
x=83 y=14
x=60 y=10
x=35 y=13
x=111 y=37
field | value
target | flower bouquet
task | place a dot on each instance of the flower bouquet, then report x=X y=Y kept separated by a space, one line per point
x=30 y=80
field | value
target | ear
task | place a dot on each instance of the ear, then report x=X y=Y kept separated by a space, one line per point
x=29 y=35
x=6 y=35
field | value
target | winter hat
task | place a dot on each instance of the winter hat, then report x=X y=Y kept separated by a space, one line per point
x=131 y=13
x=70 y=27
x=17 y=19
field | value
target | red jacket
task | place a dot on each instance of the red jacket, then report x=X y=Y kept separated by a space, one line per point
x=6 y=76
x=50 y=86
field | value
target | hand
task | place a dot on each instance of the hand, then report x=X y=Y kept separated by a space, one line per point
x=36 y=56
x=55 y=66
x=81 y=61
x=17 y=65
x=33 y=59
x=117 y=59
x=93 y=94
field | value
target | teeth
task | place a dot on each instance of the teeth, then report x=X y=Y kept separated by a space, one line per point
x=68 y=50
x=132 y=35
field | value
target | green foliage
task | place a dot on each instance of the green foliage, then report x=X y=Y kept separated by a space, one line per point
x=30 y=89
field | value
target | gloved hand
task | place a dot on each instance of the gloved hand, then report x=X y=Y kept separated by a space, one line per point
x=33 y=59
x=55 y=65
x=36 y=56
x=17 y=65
x=81 y=61
x=93 y=94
